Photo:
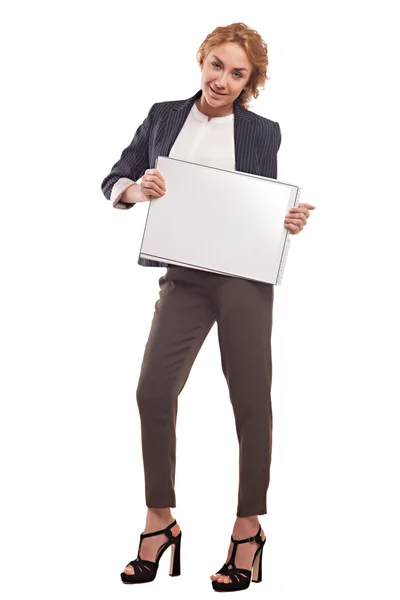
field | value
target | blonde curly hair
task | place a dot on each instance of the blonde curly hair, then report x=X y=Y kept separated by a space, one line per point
x=255 y=48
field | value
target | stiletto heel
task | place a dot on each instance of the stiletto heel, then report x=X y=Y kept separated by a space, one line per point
x=146 y=570
x=240 y=578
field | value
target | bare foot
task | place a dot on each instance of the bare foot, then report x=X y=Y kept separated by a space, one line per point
x=151 y=545
x=244 y=553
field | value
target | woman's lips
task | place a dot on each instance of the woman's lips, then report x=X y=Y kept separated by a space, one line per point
x=216 y=93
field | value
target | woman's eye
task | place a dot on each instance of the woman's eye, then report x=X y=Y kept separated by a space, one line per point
x=217 y=65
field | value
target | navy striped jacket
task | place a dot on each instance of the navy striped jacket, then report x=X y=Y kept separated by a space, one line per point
x=256 y=139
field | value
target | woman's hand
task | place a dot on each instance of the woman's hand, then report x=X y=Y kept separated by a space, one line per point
x=297 y=217
x=152 y=185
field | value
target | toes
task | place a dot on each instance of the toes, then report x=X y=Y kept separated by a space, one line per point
x=221 y=578
x=129 y=570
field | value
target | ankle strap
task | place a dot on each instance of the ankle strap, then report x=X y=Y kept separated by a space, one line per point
x=167 y=531
x=255 y=538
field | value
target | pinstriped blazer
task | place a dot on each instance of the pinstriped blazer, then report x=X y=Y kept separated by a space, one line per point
x=256 y=140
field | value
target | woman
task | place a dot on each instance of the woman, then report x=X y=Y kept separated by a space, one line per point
x=233 y=62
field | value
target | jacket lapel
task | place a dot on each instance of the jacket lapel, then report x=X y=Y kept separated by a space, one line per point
x=245 y=138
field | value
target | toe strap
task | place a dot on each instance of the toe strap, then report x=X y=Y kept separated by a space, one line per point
x=224 y=570
x=246 y=572
x=142 y=566
x=236 y=574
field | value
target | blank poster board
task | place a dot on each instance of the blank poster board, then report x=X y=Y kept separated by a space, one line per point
x=227 y=222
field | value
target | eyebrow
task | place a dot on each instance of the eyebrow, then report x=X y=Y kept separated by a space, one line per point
x=237 y=69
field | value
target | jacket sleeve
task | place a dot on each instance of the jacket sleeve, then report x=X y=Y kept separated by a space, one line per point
x=133 y=163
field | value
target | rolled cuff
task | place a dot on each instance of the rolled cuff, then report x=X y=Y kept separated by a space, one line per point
x=117 y=190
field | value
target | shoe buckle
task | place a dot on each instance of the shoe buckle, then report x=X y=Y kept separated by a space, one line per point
x=252 y=539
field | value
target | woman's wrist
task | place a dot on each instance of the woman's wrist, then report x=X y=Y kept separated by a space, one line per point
x=132 y=194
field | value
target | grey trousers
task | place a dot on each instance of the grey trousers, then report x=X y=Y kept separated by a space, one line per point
x=190 y=301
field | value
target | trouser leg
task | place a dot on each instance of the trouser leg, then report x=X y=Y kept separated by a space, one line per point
x=182 y=319
x=244 y=317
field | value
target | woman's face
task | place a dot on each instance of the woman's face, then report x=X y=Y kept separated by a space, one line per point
x=226 y=69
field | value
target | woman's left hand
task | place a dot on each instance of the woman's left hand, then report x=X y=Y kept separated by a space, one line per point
x=297 y=217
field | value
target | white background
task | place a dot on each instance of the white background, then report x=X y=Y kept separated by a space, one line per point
x=76 y=308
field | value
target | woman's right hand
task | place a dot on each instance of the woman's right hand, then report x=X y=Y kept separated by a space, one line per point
x=152 y=185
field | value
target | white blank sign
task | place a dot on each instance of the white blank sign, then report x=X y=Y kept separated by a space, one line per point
x=217 y=220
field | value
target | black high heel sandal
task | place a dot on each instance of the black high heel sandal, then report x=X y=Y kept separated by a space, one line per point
x=146 y=570
x=240 y=578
